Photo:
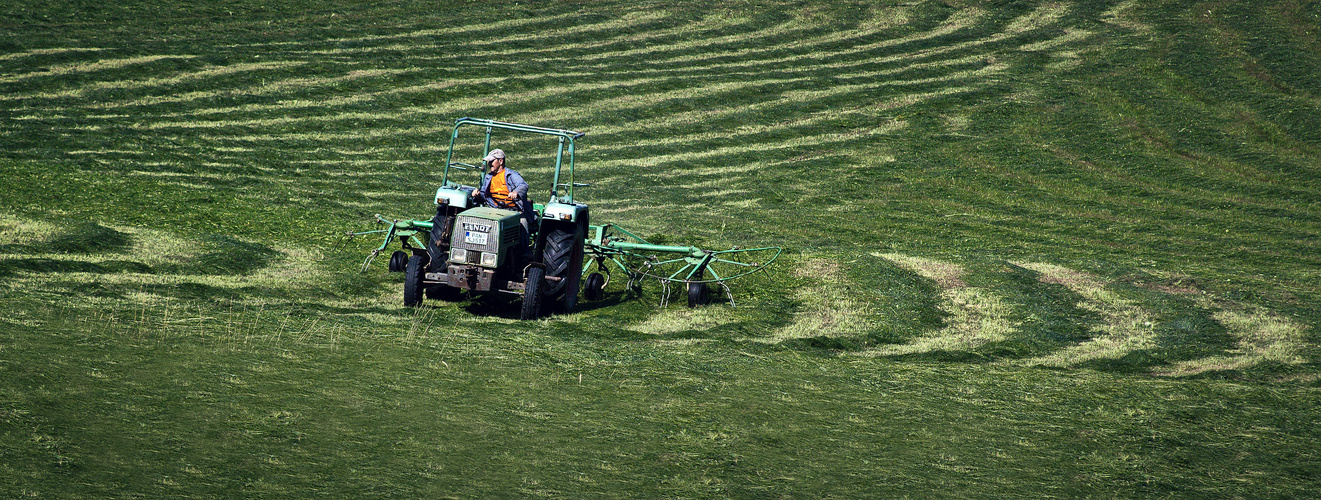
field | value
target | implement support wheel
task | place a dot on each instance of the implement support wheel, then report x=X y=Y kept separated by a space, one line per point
x=697 y=294
x=594 y=288
x=398 y=261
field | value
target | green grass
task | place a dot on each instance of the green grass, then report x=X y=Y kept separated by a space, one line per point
x=1032 y=249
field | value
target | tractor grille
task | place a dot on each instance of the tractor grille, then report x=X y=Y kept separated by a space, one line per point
x=484 y=231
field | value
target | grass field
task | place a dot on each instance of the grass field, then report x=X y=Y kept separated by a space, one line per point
x=1055 y=248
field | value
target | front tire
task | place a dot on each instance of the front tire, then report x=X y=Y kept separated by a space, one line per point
x=414 y=273
x=532 y=285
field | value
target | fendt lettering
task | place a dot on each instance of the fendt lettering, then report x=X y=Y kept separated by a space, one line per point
x=481 y=228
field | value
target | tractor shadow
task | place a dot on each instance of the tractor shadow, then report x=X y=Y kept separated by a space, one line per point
x=509 y=306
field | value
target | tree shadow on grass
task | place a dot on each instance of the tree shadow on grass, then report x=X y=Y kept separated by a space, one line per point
x=1185 y=331
x=90 y=237
x=1188 y=336
x=221 y=255
x=8 y=267
x=84 y=238
x=1135 y=362
x=225 y=256
x=1047 y=318
x=1191 y=335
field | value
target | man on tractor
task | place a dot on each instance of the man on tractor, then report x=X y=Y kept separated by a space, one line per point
x=505 y=188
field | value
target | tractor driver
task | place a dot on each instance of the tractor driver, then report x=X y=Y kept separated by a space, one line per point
x=505 y=188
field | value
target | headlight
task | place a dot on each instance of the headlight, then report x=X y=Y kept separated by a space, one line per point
x=458 y=255
x=488 y=259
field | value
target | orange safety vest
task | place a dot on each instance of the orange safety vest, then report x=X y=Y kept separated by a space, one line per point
x=500 y=190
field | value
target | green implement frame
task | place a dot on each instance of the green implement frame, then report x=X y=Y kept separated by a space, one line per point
x=615 y=245
x=405 y=230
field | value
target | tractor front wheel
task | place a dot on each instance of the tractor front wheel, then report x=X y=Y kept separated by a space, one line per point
x=414 y=272
x=536 y=277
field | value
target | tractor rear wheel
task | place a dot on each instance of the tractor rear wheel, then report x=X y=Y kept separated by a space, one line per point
x=414 y=272
x=563 y=255
x=438 y=240
x=536 y=277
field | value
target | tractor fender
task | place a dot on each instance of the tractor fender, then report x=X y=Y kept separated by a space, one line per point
x=459 y=196
x=564 y=212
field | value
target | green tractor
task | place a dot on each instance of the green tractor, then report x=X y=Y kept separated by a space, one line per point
x=483 y=249
x=469 y=248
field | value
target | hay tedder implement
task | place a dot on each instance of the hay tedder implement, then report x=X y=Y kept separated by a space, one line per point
x=468 y=247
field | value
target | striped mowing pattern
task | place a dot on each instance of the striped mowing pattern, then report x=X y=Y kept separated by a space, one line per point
x=279 y=103
x=683 y=110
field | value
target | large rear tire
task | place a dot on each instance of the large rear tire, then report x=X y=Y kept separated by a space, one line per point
x=438 y=240
x=532 y=285
x=414 y=273
x=563 y=256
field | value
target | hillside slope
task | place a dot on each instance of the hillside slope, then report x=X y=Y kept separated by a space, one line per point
x=1064 y=196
